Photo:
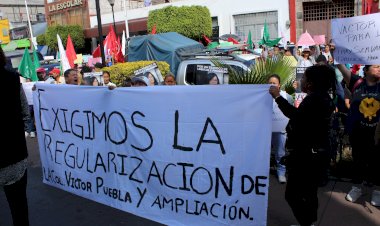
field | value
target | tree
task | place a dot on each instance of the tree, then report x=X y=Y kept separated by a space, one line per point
x=75 y=31
x=41 y=39
x=190 y=21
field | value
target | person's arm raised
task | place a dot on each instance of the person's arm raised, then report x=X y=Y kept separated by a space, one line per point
x=345 y=72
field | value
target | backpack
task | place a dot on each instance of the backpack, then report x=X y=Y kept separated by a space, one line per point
x=356 y=85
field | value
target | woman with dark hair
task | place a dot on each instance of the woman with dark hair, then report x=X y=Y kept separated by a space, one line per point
x=279 y=137
x=152 y=79
x=212 y=79
x=308 y=134
x=362 y=120
x=13 y=160
x=90 y=81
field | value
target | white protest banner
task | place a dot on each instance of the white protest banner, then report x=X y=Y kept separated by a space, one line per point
x=357 y=39
x=183 y=155
x=27 y=86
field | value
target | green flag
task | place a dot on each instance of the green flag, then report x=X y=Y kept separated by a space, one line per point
x=249 y=41
x=266 y=38
x=26 y=67
x=36 y=61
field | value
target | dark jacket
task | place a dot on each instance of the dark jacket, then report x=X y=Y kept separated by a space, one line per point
x=13 y=125
x=309 y=124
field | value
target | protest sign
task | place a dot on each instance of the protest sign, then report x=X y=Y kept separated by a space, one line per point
x=357 y=39
x=97 y=75
x=92 y=61
x=299 y=95
x=319 y=39
x=182 y=155
x=152 y=70
x=299 y=73
x=203 y=70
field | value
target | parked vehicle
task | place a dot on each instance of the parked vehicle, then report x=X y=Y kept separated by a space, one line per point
x=14 y=59
x=194 y=71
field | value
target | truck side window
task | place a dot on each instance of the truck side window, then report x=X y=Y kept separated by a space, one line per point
x=195 y=77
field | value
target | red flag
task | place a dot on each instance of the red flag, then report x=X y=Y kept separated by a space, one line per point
x=70 y=51
x=110 y=43
x=206 y=39
x=232 y=40
x=154 y=30
x=96 y=52
x=355 y=68
x=119 y=57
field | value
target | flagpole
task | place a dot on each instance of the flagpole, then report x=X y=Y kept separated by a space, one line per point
x=30 y=25
x=126 y=19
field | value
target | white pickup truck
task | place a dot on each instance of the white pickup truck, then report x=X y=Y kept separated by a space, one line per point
x=193 y=71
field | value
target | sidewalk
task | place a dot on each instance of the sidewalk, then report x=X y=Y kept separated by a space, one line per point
x=49 y=206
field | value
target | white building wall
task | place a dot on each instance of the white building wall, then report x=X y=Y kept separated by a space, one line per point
x=223 y=9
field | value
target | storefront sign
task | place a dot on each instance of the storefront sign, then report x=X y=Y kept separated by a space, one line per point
x=65 y=5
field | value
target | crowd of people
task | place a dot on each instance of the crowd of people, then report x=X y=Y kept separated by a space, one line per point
x=357 y=95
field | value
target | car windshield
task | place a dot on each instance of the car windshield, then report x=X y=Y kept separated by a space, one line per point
x=16 y=58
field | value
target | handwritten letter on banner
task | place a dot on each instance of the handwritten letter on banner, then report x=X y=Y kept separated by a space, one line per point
x=357 y=39
x=180 y=155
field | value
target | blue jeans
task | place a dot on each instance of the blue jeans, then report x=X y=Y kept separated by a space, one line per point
x=278 y=147
x=30 y=127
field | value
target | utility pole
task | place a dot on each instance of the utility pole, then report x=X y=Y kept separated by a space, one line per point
x=100 y=32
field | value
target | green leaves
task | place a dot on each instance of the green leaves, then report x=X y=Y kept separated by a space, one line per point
x=260 y=72
x=75 y=31
x=190 y=21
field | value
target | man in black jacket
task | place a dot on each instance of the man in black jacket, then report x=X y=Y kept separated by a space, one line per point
x=13 y=161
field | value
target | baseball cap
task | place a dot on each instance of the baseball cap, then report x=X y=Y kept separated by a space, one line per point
x=55 y=71
x=40 y=69
x=141 y=79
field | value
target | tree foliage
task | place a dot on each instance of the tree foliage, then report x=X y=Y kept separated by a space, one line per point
x=41 y=39
x=75 y=31
x=190 y=21
x=260 y=72
x=119 y=72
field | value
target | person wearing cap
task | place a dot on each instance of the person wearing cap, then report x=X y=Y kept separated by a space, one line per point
x=55 y=74
x=305 y=60
x=362 y=120
x=140 y=81
x=41 y=74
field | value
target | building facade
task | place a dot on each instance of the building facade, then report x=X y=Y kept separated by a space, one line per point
x=15 y=12
x=314 y=16
x=67 y=12
x=228 y=16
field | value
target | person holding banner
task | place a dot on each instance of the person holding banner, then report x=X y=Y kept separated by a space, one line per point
x=170 y=80
x=279 y=138
x=308 y=134
x=71 y=77
x=107 y=79
x=13 y=160
x=362 y=120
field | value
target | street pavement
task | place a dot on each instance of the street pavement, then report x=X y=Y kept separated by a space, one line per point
x=49 y=206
